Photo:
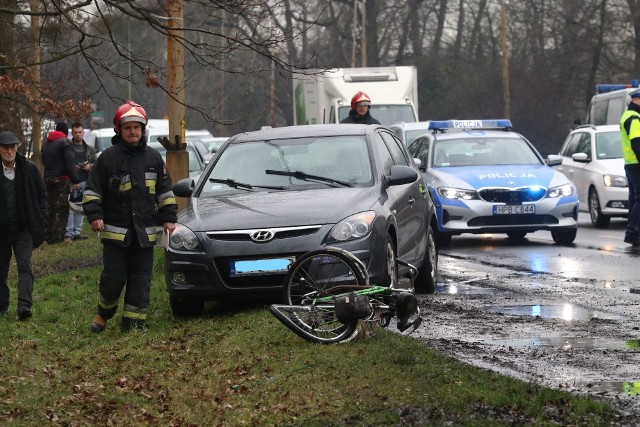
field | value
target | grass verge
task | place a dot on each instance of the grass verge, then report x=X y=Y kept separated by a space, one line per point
x=237 y=366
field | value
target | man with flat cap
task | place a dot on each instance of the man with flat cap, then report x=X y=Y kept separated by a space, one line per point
x=23 y=218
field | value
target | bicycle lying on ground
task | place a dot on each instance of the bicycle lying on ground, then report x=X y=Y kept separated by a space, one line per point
x=327 y=291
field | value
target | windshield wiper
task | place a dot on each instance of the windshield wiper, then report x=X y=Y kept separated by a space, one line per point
x=308 y=177
x=244 y=186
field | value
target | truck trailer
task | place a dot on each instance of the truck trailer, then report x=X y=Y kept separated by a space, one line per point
x=324 y=96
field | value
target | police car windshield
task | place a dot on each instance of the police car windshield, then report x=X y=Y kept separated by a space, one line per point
x=482 y=151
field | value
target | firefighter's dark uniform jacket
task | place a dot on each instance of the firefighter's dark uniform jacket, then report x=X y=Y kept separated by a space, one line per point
x=130 y=190
x=367 y=119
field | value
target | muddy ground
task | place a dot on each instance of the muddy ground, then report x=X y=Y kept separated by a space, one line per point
x=579 y=336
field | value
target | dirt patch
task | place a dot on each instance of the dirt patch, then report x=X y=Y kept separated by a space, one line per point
x=566 y=334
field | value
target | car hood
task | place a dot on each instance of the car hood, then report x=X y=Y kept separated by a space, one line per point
x=610 y=166
x=507 y=176
x=276 y=209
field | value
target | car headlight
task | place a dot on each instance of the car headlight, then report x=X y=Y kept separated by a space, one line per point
x=457 y=193
x=353 y=227
x=615 y=181
x=561 y=191
x=184 y=239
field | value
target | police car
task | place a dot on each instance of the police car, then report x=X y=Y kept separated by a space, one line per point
x=485 y=178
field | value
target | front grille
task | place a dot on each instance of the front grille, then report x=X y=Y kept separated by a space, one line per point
x=278 y=233
x=498 y=220
x=512 y=196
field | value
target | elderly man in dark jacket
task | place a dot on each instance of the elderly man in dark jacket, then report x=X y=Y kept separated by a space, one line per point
x=59 y=160
x=23 y=218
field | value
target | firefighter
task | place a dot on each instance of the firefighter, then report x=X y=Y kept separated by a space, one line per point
x=128 y=194
x=360 y=104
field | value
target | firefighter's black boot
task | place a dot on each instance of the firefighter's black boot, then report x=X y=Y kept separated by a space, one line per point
x=128 y=324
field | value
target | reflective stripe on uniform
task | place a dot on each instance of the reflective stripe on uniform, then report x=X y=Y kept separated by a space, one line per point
x=152 y=233
x=112 y=232
x=89 y=196
x=166 y=199
x=133 y=314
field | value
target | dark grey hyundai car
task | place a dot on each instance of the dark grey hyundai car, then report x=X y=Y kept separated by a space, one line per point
x=269 y=196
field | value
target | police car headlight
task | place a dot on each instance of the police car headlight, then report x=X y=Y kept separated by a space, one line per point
x=561 y=191
x=615 y=181
x=457 y=193
x=184 y=239
x=353 y=227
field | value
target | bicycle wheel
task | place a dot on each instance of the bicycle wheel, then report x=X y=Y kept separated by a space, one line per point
x=323 y=274
x=314 y=323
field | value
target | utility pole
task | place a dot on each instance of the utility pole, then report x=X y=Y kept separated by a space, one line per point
x=354 y=32
x=363 y=44
x=505 y=61
x=177 y=159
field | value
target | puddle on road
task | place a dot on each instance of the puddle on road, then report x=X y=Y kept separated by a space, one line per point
x=566 y=343
x=564 y=312
x=464 y=288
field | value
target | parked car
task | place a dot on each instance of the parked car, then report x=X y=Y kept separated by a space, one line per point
x=485 y=178
x=196 y=162
x=269 y=196
x=214 y=143
x=101 y=139
x=409 y=131
x=201 y=148
x=592 y=159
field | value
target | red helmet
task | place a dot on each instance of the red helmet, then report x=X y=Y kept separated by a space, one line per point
x=129 y=112
x=359 y=97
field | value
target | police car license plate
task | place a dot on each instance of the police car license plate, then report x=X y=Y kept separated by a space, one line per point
x=259 y=267
x=514 y=209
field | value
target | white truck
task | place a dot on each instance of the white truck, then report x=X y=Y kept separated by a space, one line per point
x=325 y=96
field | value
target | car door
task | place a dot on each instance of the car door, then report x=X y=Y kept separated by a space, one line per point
x=577 y=172
x=408 y=201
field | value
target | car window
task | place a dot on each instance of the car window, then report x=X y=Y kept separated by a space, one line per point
x=386 y=160
x=395 y=148
x=570 y=145
x=608 y=145
x=477 y=151
x=419 y=149
x=584 y=144
x=342 y=158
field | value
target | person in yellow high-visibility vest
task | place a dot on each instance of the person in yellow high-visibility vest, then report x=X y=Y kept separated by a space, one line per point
x=630 y=137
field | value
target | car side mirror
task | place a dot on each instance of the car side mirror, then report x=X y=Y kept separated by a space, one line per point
x=580 y=157
x=184 y=187
x=401 y=174
x=554 y=160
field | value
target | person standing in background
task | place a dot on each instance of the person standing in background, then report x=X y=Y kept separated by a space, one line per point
x=59 y=160
x=85 y=158
x=23 y=218
x=360 y=104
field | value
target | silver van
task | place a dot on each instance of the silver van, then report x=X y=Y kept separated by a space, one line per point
x=609 y=103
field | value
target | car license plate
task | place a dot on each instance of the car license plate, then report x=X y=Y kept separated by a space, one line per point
x=514 y=209
x=259 y=267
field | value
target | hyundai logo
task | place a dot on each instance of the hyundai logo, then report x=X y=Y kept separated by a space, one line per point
x=262 y=236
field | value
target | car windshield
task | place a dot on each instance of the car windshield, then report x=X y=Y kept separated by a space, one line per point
x=479 y=151
x=292 y=164
x=608 y=145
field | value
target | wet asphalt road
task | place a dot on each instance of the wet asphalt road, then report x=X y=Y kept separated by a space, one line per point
x=566 y=317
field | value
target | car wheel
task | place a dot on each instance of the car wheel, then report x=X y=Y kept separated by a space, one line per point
x=443 y=240
x=391 y=274
x=597 y=218
x=564 y=236
x=186 y=308
x=428 y=272
x=516 y=235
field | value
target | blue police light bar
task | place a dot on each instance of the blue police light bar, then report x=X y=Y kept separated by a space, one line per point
x=609 y=87
x=470 y=124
